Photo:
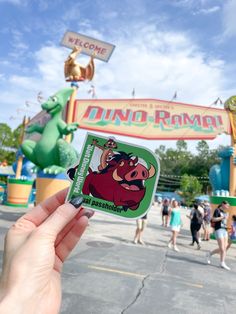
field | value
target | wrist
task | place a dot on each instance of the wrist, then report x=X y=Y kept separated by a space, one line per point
x=10 y=305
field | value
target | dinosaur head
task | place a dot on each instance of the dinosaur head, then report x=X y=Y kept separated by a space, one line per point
x=230 y=104
x=57 y=102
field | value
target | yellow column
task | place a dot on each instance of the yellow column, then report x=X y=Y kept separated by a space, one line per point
x=70 y=111
x=20 y=159
x=232 y=176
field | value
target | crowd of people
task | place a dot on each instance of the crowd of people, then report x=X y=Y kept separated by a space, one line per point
x=202 y=218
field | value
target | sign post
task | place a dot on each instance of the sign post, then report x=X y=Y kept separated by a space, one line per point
x=74 y=72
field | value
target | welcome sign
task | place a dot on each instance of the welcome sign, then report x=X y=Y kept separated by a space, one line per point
x=151 y=119
x=99 y=49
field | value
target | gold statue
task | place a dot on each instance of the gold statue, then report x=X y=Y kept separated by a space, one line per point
x=230 y=105
x=74 y=71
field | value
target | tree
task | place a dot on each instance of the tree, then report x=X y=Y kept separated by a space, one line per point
x=190 y=188
x=5 y=135
x=9 y=142
x=181 y=145
x=203 y=149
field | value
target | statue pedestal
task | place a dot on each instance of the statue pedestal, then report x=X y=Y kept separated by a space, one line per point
x=217 y=200
x=49 y=184
x=18 y=192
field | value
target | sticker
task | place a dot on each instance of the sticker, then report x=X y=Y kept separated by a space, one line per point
x=115 y=177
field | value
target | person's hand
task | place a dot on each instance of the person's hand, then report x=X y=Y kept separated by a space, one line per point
x=35 y=248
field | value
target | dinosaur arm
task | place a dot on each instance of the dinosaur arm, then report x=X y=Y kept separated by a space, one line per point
x=35 y=128
x=66 y=129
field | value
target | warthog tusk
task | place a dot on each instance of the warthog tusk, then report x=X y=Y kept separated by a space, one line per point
x=151 y=171
x=116 y=177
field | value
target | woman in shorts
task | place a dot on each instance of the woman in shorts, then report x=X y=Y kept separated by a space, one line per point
x=165 y=212
x=141 y=224
x=175 y=223
x=220 y=220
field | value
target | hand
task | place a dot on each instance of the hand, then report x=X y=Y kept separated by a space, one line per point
x=72 y=127
x=36 y=247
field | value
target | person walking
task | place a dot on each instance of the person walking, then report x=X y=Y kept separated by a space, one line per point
x=196 y=223
x=141 y=224
x=175 y=223
x=206 y=221
x=232 y=232
x=219 y=220
x=165 y=212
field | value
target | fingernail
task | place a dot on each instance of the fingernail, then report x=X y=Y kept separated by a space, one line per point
x=89 y=213
x=77 y=201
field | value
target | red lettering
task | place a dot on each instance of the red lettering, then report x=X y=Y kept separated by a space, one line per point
x=108 y=114
x=71 y=40
x=195 y=119
x=220 y=121
x=77 y=41
x=208 y=121
x=93 y=113
x=139 y=116
x=97 y=49
x=161 y=116
x=86 y=45
x=176 y=120
x=103 y=51
x=118 y=113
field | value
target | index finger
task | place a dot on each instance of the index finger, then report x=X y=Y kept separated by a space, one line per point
x=41 y=212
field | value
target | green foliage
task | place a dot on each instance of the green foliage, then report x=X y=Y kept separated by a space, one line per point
x=181 y=145
x=180 y=161
x=5 y=135
x=9 y=142
x=190 y=188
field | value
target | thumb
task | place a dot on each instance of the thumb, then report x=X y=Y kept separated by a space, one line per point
x=61 y=217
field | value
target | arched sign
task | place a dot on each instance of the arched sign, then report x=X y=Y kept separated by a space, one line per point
x=151 y=119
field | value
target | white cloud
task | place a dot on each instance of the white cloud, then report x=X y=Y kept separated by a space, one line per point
x=15 y=2
x=207 y=11
x=155 y=63
x=229 y=13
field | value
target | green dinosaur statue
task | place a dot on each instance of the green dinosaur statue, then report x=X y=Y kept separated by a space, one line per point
x=52 y=153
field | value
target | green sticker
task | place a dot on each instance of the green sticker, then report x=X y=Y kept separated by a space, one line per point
x=115 y=177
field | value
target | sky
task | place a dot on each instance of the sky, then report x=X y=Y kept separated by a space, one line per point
x=162 y=47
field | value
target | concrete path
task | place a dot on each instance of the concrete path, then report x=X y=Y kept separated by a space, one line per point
x=108 y=274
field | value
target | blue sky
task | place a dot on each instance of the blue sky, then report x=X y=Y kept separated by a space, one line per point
x=162 y=46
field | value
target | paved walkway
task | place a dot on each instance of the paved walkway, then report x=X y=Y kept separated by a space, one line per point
x=108 y=274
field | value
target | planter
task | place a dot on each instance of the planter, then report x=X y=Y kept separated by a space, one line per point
x=49 y=184
x=18 y=192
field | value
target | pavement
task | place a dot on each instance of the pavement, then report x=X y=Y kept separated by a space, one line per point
x=108 y=274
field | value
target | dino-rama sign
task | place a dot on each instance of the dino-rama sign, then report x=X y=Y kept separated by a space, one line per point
x=151 y=118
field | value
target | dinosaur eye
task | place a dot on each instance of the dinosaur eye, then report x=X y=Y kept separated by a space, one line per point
x=54 y=99
x=122 y=163
x=131 y=163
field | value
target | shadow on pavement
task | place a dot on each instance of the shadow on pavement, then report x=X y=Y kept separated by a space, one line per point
x=185 y=259
x=131 y=242
x=10 y=216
